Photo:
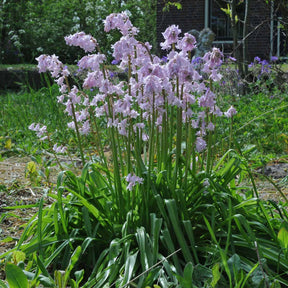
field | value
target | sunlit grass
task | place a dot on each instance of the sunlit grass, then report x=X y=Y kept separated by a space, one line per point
x=20 y=109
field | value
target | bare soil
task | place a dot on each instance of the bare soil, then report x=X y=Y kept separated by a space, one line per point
x=18 y=190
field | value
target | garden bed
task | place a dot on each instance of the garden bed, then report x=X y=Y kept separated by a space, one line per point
x=184 y=186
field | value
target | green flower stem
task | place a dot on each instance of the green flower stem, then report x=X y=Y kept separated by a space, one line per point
x=114 y=136
x=163 y=143
x=121 y=152
x=57 y=160
x=99 y=148
x=128 y=148
x=54 y=153
x=193 y=139
x=230 y=132
x=171 y=131
x=209 y=161
x=151 y=139
x=139 y=162
x=165 y=135
x=178 y=137
x=76 y=126
x=188 y=152
x=151 y=156
x=117 y=178
x=129 y=163
x=78 y=135
x=158 y=146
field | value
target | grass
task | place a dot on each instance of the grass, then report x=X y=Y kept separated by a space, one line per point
x=23 y=108
x=17 y=67
x=284 y=67
x=261 y=121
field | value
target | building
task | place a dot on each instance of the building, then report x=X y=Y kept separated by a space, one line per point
x=266 y=40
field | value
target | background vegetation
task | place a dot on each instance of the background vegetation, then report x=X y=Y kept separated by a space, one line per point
x=33 y=27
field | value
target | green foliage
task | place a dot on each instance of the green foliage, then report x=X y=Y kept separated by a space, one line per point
x=216 y=234
x=15 y=276
x=260 y=120
x=209 y=229
x=228 y=11
x=214 y=227
x=283 y=237
x=270 y=123
x=30 y=28
x=169 y=4
x=216 y=275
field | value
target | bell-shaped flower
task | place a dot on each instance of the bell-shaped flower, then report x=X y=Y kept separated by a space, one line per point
x=230 y=112
x=171 y=36
x=187 y=43
x=86 y=42
x=200 y=144
x=133 y=180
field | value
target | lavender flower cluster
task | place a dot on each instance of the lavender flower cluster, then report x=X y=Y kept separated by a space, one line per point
x=264 y=65
x=153 y=83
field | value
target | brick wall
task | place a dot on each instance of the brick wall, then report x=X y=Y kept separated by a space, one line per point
x=259 y=41
x=191 y=16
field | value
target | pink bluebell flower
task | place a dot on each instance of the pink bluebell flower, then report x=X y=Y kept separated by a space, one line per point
x=133 y=180
x=86 y=42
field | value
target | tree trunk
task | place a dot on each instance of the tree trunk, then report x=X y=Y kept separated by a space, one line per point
x=245 y=39
x=236 y=50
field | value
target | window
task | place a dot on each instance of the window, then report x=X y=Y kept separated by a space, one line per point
x=220 y=22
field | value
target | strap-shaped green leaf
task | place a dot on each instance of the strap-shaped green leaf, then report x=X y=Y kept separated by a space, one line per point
x=73 y=260
x=173 y=215
x=15 y=276
x=129 y=268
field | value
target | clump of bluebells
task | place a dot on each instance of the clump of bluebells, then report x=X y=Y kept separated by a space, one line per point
x=262 y=77
x=164 y=105
x=264 y=67
x=266 y=75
